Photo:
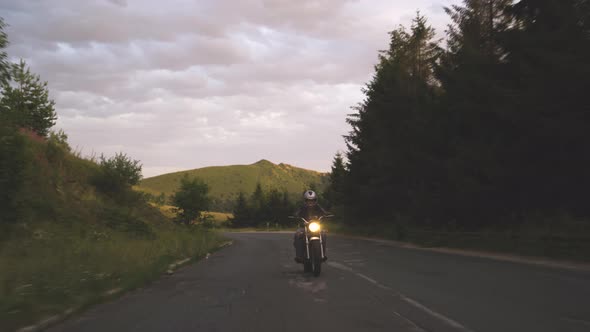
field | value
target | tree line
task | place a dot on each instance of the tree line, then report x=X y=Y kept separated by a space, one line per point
x=259 y=208
x=488 y=128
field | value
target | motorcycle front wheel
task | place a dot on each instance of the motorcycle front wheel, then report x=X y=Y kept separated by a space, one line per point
x=316 y=258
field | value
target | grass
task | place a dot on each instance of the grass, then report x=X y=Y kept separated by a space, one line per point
x=225 y=182
x=56 y=267
x=217 y=217
x=167 y=210
x=69 y=245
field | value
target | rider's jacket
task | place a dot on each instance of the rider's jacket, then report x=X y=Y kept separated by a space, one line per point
x=310 y=212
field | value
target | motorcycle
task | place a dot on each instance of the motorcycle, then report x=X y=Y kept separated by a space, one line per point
x=314 y=246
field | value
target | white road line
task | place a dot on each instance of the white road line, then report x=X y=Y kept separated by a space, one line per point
x=373 y=281
x=404 y=298
x=340 y=266
x=348 y=261
x=576 y=321
x=433 y=313
x=415 y=328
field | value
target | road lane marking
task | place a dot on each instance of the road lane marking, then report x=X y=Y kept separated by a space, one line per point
x=412 y=302
x=373 y=281
x=349 y=261
x=433 y=313
x=340 y=266
x=349 y=269
x=576 y=321
x=414 y=326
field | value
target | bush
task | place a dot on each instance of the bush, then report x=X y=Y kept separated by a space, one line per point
x=13 y=161
x=59 y=138
x=55 y=152
x=191 y=199
x=208 y=221
x=117 y=173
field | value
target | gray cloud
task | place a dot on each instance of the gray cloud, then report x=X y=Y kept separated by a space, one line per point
x=185 y=83
x=122 y=3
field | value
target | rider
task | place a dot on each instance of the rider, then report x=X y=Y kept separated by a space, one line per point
x=309 y=210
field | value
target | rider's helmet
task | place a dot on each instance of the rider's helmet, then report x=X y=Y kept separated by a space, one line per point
x=310 y=198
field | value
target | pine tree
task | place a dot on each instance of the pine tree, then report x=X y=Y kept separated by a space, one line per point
x=491 y=131
x=474 y=111
x=275 y=207
x=4 y=64
x=26 y=101
x=336 y=192
x=387 y=138
x=424 y=52
x=258 y=204
x=287 y=208
x=476 y=27
x=241 y=213
x=548 y=68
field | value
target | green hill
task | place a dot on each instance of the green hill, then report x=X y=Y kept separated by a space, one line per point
x=225 y=182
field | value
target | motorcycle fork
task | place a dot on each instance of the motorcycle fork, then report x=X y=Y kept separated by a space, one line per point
x=307 y=244
x=321 y=246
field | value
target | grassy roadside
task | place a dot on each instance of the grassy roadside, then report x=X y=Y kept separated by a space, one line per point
x=534 y=242
x=68 y=241
x=66 y=267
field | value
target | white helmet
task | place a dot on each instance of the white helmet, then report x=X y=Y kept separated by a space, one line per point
x=310 y=195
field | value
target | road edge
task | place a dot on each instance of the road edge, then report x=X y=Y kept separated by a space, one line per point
x=113 y=294
x=529 y=260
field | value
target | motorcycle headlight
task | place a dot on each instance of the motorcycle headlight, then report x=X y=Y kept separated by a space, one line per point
x=314 y=227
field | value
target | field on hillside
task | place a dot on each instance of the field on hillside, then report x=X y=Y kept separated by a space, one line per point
x=225 y=182
x=217 y=217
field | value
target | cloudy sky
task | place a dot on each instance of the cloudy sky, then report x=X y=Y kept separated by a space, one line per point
x=193 y=83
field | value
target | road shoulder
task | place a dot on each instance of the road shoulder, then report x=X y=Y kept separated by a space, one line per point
x=530 y=260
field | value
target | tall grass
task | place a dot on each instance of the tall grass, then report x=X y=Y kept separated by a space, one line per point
x=66 y=244
x=52 y=268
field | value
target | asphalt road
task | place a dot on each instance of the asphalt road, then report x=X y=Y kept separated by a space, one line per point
x=254 y=285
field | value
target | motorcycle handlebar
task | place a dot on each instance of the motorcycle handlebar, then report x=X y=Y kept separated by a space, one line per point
x=306 y=221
